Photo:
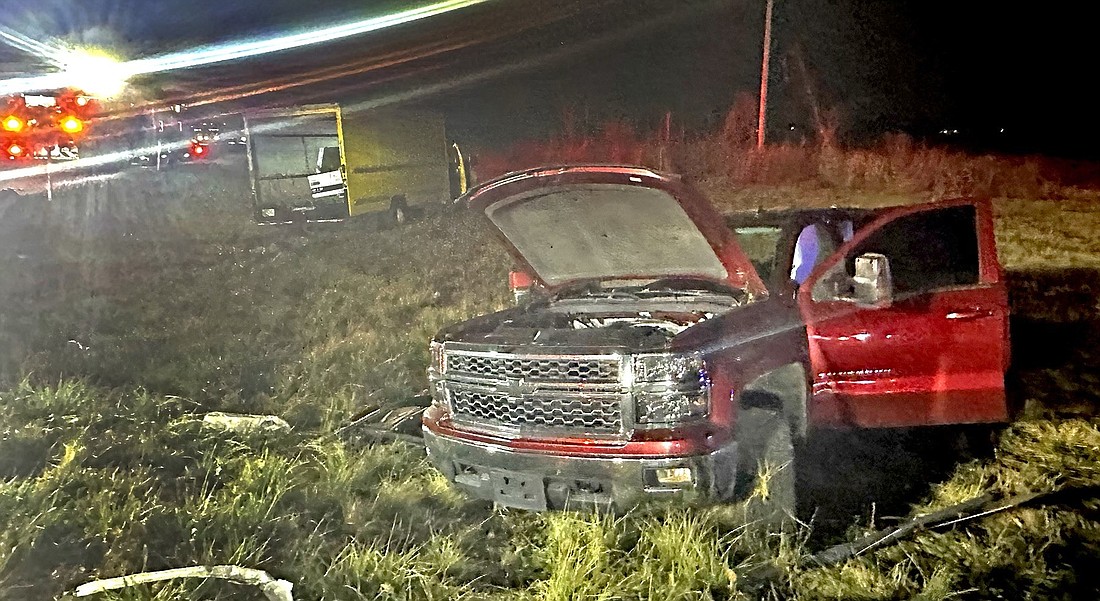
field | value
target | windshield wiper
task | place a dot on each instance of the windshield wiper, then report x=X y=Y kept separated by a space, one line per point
x=592 y=289
x=692 y=286
x=616 y=293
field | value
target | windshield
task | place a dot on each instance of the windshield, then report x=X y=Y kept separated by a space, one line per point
x=605 y=231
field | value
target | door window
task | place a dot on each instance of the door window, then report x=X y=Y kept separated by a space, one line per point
x=927 y=251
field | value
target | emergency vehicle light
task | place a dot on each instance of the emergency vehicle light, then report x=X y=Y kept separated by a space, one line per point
x=15 y=150
x=13 y=123
x=71 y=124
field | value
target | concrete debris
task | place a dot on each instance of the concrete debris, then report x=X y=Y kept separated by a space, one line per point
x=238 y=422
x=272 y=588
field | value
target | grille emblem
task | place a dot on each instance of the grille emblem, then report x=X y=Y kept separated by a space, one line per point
x=516 y=388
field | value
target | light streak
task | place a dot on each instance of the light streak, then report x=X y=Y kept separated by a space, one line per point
x=227 y=52
x=438 y=87
x=41 y=168
x=218 y=53
x=529 y=64
x=29 y=45
x=374 y=62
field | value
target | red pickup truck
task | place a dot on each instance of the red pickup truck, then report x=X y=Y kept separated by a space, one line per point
x=672 y=350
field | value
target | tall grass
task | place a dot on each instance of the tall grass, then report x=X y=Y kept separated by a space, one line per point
x=1032 y=552
x=896 y=165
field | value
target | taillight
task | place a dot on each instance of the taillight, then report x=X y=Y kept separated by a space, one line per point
x=71 y=125
x=198 y=150
x=13 y=123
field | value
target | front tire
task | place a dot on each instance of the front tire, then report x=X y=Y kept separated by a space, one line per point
x=765 y=467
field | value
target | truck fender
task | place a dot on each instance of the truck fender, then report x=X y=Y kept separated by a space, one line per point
x=784 y=389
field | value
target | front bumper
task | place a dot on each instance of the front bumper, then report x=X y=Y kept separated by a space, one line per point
x=537 y=481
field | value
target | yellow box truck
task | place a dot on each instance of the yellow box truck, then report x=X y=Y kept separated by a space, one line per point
x=324 y=163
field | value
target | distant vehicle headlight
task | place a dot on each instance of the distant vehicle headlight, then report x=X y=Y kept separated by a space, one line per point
x=670 y=389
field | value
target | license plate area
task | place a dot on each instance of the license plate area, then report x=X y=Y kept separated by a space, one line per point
x=517 y=489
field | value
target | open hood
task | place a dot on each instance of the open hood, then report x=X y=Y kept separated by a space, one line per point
x=582 y=223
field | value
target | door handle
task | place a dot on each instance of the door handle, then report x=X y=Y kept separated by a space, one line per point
x=970 y=314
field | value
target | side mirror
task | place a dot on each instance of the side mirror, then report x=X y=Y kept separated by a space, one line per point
x=521 y=284
x=873 y=285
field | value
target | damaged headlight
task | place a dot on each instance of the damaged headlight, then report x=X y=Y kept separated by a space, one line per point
x=670 y=389
x=670 y=408
x=669 y=368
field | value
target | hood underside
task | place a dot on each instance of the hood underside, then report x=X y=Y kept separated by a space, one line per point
x=612 y=224
x=604 y=232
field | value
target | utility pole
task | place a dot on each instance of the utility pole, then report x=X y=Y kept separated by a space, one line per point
x=762 y=122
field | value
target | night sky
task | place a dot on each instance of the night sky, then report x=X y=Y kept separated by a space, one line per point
x=880 y=65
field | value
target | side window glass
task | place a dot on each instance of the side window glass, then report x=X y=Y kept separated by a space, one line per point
x=927 y=250
x=760 y=244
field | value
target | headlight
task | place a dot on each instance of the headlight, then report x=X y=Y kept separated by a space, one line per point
x=670 y=407
x=670 y=389
x=669 y=368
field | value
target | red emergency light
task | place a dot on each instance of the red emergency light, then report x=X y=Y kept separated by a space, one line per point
x=13 y=123
x=71 y=124
x=15 y=150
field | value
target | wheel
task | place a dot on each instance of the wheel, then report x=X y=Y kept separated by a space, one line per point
x=976 y=441
x=399 y=210
x=765 y=466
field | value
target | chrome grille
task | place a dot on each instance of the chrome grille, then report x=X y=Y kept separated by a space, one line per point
x=552 y=412
x=555 y=369
x=535 y=395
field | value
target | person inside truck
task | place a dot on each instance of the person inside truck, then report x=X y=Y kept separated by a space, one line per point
x=815 y=242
